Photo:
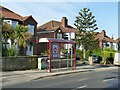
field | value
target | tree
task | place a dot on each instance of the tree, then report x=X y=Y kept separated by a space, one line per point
x=86 y=26
x=21 y=36
x=18 y=35
x=7 y=31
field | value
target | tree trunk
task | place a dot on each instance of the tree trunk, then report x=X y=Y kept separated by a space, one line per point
x=5 y=43
x=21 y=51
x=105 y=61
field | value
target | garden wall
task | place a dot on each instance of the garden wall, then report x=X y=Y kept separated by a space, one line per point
x=19 y=63
x=29 y=62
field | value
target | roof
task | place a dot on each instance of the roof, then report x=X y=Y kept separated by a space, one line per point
x=27 y=17
x=101 y=37
x=8 y=14
x=118 y=40
x=41 y=40
x=54 y=25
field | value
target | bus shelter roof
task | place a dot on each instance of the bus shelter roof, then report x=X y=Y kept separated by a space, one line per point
x=41 y=40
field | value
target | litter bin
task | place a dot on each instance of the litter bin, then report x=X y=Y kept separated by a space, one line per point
x=91 y=60
x=42 y=63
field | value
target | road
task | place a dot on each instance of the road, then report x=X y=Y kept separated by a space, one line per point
x=93 y=79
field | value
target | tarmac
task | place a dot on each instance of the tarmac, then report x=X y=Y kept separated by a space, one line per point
x=13 y=77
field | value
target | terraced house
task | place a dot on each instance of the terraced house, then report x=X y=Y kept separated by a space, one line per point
x=15 y=19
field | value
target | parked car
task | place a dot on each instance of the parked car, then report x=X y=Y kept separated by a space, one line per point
x=96 y=58
x=77 y=57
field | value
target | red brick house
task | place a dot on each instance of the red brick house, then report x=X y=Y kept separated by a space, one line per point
x=14 y=19
x=105 y=41
x=55 y=29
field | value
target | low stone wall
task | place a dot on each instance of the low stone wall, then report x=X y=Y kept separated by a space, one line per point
x=19 y=63
x=30 y=62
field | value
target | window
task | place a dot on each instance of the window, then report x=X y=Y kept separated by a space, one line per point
x=14 y=23
x=59 y=36
x=31 y=29
x=66 y=37
x=72 y=36
x=30 y=49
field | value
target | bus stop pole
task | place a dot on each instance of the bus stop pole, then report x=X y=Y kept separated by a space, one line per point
x=50 y=48
x=74 y=56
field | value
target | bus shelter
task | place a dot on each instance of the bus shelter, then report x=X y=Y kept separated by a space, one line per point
x=53 y=45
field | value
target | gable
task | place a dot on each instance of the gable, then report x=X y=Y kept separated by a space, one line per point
x=29 y=20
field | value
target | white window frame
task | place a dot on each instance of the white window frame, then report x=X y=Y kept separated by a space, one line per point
x=8 y=21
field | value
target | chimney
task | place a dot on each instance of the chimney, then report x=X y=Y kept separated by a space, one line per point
x=103 y=33
x=64 y=21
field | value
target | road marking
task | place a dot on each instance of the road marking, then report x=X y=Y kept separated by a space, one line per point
x=108 y=80
x=82 y=86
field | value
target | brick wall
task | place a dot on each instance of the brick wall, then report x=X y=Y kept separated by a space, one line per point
x=46 y=35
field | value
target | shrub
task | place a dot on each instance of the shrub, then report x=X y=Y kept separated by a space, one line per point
x=12 y=51
x=108 y=56
x=9 y=51
x=4 y=51
x=79 y=53
x=97 y=52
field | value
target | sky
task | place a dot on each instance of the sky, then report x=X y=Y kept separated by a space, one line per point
x=106 y=13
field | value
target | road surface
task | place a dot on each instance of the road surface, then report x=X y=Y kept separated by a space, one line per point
x=93 y=79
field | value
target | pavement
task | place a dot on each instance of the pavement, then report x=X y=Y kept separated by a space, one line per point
x=13 y=77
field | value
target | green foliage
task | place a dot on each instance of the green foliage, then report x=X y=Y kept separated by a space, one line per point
x=88 y=54
x=18 y=34
x=21 y=35
x=64 y=50
x=12 y=51
x=97 y=52
x=109 y=49
x=79 y=53
x=86 y=25
x=4 y=51
x=9 y=51
x=107 y=55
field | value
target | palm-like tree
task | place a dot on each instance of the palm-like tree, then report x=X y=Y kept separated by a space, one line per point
x=7 y=32
x=21 y=36
x=18 y=35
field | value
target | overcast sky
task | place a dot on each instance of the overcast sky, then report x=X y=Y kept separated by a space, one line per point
x=106 y=13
